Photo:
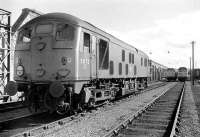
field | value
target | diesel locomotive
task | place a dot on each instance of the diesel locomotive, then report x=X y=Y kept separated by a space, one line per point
x=157 y=71
x=182 y=74
x=63 y=63
x=171 y=74
x=197 y=74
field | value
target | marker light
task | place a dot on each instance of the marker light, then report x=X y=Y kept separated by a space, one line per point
x=40 y=72
x=41 y=46
x=20 y=70
x=63 y=72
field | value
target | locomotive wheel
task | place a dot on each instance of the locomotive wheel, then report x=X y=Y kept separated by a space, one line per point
x=31 y=101
x=113 y=92
x=11 y=88
x=91 y=103
x=64 y=109
x=49 y=102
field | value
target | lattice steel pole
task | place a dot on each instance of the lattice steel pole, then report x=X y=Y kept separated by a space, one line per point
x=5 y=36
x=9 y=48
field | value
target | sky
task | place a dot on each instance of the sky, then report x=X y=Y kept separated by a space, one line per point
x=163 y=29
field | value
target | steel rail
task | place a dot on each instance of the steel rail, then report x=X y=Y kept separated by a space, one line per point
x=7 y=106
x=174 y=127
x=129 y=120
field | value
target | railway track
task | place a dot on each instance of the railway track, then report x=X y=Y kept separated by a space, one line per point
x=43 y=121
x=8 y=106
x=158 y=118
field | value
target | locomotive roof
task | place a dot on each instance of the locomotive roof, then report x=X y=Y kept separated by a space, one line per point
x=158 y=64
x=181 y=68
x=77 y=21
x=58 y=16
x=171 y=69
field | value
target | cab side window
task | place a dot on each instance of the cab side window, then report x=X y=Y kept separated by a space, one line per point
x=25 y=35
x=86 y=42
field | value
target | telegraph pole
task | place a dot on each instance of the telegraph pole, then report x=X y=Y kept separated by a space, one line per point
x=190 y=70
x=193 y=42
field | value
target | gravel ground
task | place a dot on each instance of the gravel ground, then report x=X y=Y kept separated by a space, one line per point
x=189 y=125
x=100 y=121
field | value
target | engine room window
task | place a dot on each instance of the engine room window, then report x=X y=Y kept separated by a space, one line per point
x=145 y=62
x=120 y=68
x=141 y=61
x=25 y=35
x=44 y=28
x=148 y=62
x=103 y=54
x=132 y=58
x=111 y=67
x=86 y=42
x=135 y=70
x=64 y=32
x=123 y=55
x=126 y=69
x=129 y=58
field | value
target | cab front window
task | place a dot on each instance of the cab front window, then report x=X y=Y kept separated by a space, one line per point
x=64 y=32
x=64 y=36
x=44 y=28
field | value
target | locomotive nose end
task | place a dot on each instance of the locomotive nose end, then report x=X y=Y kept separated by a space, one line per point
x=56 y=89
x=11 y=88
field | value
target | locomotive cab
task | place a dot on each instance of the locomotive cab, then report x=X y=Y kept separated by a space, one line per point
x=45 y=61
x=45 y=51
